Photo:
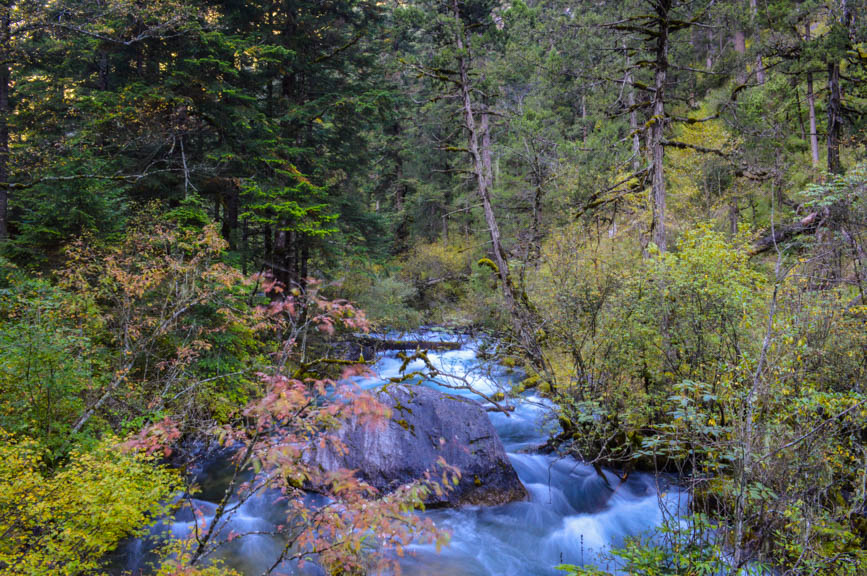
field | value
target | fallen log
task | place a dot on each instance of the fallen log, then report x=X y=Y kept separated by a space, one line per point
x=806 y=225
x=384 y=344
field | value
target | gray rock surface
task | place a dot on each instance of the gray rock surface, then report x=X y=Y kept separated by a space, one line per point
x=425 y=425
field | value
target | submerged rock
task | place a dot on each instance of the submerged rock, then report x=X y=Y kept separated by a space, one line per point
x=426 y=425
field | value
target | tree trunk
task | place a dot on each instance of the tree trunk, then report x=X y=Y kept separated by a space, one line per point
x=708 y=63
x=4 y=123
x=268 y=242
x=835 y=113
x=303 y=260
x=760 y=65
x=794 y=86
x=734 y=216
x=245 y=247
x=284 y=265
x=658 y=125
x=230 y=213
x=811 y=111
x=519 y=311
x=583 y=119
x=485 y=129
x=400 y=190
x=633 y=117
x=102 y=66
x=740 y=42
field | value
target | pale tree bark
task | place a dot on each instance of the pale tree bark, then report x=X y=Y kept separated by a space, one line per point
x=520 y=314
x=708 y=63
x=740 y=42
x=835 y=116
x=811 y=111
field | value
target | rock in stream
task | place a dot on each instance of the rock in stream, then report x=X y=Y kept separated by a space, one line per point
x=425 y=425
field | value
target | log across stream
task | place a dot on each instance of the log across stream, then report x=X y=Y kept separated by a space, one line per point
x=574 y=514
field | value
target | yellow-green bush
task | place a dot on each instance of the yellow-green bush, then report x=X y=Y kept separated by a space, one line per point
x=65 y=522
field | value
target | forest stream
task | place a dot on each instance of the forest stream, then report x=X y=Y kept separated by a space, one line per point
x=573 y=516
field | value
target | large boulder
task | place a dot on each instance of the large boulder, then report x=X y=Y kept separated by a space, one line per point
x=426 y=425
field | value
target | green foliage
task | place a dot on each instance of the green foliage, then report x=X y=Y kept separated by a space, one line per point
x=388 y=302
x=64 y=522
x=849 y=188
x=436 y=271
x=50 y=356
x=290 y=208
x=674 y=551
x=711 y=299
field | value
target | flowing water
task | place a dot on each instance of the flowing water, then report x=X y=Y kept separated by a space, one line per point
x=574 y=515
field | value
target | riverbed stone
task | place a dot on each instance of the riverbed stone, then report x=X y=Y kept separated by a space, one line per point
x=426 y=425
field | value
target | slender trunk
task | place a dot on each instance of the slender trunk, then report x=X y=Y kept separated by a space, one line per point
x=633 y=118
x=4 y=123
x=536 y=227
x=245 y=247
x=658 y=126
x=230 y=214
x=583 y=119
x=303 y=260
x=400 y=190
x=485 y=129
x=760 y=65
x=777 y=182
x=754 y=398
x=520 y=314
x=102 y=65
x=834 y=118
x=284 y=265
x=740 y=42
x=734 y=216
x=692 y=77
x=708 y=63
x=279 y=260
x=538 y=181
x=268 y=243
x=811 y=111
x=800 y=110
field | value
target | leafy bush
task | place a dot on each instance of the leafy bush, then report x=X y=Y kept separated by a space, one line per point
x=388 y=301
x=63 y=523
